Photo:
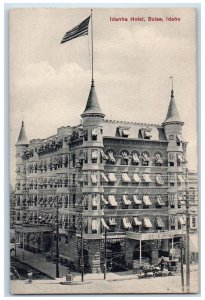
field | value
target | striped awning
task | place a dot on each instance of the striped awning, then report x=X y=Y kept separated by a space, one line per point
x=135 y=158
x=104 y=177
x=179 y=137
x=112 y=200
x=160 y=222
x=112 y=221
x=112 y=177
x=94 y=225
x=94 y=201
x=136 y=177
x=136 y=200
x=126 y=223
x=124 y=155
x=147 y=223
x=180 y=178
x=159 y=179
x=125 y=200
x=159 y=200
x=182 y=220
x=103 y=155
x=111 y=156
x=147 y=200
x=94 y=178
x=104 y=223
x=146 y=178
x=104 y=200
x=137 y=222
x=180 y=158
x=125 y=177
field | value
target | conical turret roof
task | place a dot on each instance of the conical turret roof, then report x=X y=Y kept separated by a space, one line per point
x=172 y=113
x=22 y=139
x=92 y=106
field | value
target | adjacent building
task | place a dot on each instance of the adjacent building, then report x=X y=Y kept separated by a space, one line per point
x=127 y=180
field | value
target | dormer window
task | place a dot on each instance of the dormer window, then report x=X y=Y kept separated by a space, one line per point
x=145 y=133
x=123 y=131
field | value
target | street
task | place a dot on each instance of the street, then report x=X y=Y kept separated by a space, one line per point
x=116 y=283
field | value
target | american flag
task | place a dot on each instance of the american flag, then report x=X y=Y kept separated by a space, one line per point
x=79 y=30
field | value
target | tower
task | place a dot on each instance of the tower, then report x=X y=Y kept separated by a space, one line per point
x=92 y=168
x=176 y=164
x=21 y=146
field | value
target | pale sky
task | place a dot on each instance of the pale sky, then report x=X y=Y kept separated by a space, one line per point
x=132 y=65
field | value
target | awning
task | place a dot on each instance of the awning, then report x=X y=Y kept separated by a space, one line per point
x=180 y=158
x=112 y=177
x=159 y=200
x=94 y=225
x=159 y=159
x=104 y=177
x=94 y=178
x=136 y=178
x=135 y=158
x=146 y=178
x=145 y=157
x=104 y=224
x=146 y=200
x=180 y=178
x=126 y=223
x=136 y=200
x=160 y=222
x=104 y=200
x=103 y=155
x=124 y=155
x=112 y=200
x=179 y=137
x=126 y=201
x=172 y=178
x=159 y=179
x=112 y=221
x=125 y=177
x=111 y=156
x=137 y=222
x=182 y=220
x=172 y=220
x=94 y=154
x=147 y=223
x=94 y=202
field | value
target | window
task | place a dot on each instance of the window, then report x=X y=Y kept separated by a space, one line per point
x=94 y=202
x=171 y=164
x=179 y=139
x=145 y=159
x=73 y=179
x=94 y=226
x=73 y=159
x=171 y=137
x=94 y=179
x=160 y=223
x=94 y=134
x=94 y=156
x=135 y=159
x=111 y=158
x=193 y=222
x=125 y=158
x=159 y=180
x=85 y=134
x=158 y=160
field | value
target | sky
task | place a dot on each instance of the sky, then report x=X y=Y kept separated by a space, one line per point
x=133 y=62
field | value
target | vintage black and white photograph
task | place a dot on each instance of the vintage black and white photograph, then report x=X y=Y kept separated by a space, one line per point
x=103 y=151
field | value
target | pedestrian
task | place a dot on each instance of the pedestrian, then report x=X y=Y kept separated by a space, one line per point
x=30 y=276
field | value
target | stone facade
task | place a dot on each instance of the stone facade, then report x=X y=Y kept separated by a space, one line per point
x=123 y=177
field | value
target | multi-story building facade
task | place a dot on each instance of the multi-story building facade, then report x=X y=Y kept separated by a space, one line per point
x=128 y=179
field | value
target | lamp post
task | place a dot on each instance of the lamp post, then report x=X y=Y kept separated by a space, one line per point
x=105 y=254
x=57 y=244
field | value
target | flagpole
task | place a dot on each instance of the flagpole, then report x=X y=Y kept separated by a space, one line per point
x=92 y=43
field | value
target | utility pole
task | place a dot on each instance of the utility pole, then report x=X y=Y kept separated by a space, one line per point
x=105 y=254
x=82 y=255
x=57 y=239
x=187 y=244
x=182 y=268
